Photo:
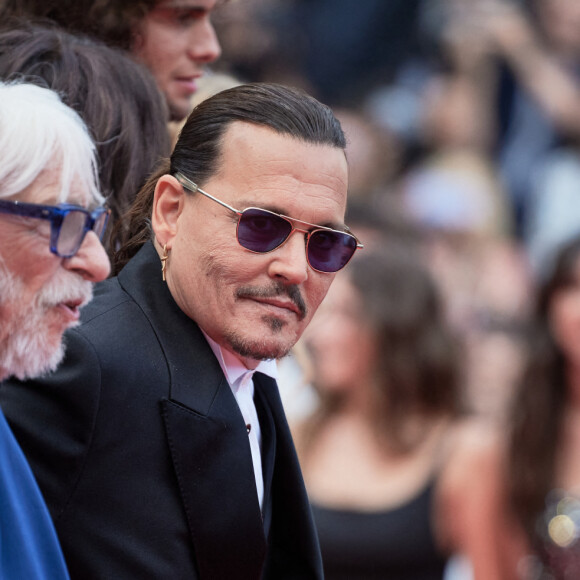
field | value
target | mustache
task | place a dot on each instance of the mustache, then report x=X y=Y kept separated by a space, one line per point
x=67 y=287
x=277 y=289
x=63 y=287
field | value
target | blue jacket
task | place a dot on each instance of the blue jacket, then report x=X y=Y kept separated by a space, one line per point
x=29 y=548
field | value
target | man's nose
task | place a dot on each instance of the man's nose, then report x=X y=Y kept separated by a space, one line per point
x=204 y=45
x=289 y=260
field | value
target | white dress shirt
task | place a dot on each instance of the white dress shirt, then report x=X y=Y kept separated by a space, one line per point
x=241 y=382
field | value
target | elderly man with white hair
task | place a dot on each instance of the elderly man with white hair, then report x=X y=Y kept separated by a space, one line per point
x=51 y=220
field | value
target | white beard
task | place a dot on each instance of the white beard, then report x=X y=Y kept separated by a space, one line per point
x=29 y=347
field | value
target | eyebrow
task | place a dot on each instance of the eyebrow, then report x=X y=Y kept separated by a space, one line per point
x=274 y=209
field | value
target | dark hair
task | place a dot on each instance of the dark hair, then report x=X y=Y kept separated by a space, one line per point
x=540 y=400
x=116 y=97
x=197 y=153
x=416 y=368
x=112 y=21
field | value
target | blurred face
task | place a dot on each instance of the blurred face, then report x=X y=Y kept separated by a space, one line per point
x=565 y=319
x=561 y=22
x=255 y=305
x=176 y=40
x=41 y=293
x=339 y=341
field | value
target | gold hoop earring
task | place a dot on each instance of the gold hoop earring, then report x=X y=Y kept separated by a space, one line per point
x=164 y=261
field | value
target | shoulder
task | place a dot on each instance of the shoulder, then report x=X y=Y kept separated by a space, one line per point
x=471 y=477
x=476 y=440
x=474 y=516
x=107 y=296
x=112 y=320
x=474 y=458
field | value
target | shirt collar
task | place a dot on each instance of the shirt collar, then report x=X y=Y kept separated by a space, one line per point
x=234 y=369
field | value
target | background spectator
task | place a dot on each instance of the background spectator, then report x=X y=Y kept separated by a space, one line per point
x=175 y=42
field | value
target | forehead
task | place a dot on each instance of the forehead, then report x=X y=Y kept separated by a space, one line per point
x=175 y=13
x=46 y=189
x=261 y=167
x=204 y=5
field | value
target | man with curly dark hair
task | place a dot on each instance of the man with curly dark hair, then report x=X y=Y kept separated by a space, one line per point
x=175 y=39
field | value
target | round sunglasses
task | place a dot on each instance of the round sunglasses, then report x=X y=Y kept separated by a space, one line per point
x=262 y=231
x=69 y=224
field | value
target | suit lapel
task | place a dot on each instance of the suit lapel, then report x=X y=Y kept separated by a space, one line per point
x=206 y=435
x=218 y=489
x=293 y=550
x=268 y=430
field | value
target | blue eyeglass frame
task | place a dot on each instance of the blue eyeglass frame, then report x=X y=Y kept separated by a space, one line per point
x=56 y=214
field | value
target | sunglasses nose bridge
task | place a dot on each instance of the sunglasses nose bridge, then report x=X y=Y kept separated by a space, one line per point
x=294 y=225
x=307 y=233
x=290 y=233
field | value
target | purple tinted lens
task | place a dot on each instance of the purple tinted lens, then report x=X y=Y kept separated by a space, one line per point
x=329 y=251
x=262 y=231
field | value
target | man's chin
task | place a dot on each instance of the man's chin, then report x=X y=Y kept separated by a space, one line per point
x=31 y=342
x=260 y=349
x=27 y=365
x=35 y=347
x=178 y=110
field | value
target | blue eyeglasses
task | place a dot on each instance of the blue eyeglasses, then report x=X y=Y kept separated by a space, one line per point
x=69 y=224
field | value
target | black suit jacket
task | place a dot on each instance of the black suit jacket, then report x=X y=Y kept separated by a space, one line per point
x=142 y=454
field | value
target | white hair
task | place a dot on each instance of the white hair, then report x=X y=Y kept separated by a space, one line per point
x=37 y=132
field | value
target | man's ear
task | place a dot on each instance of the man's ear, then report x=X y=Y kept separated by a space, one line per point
x=168 y=203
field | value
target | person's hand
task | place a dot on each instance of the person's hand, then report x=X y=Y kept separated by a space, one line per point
x=465 y=39
x=506 y=27
x=479 y=29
